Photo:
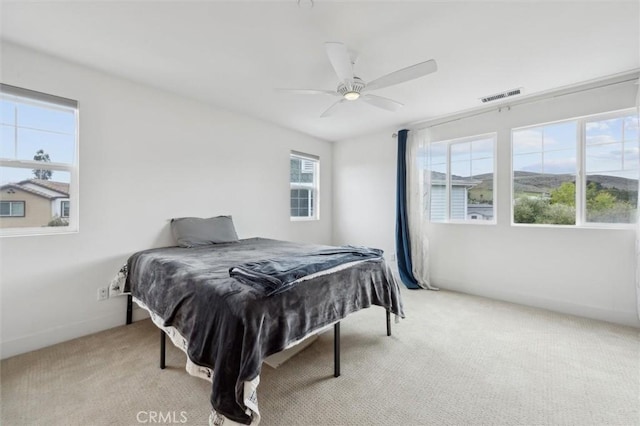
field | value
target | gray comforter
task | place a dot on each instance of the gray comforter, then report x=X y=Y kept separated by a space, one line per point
x=231 y=326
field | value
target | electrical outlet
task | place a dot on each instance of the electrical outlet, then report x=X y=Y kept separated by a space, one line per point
x=103 y=293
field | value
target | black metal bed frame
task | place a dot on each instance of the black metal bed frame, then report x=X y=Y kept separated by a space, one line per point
x=336 y=338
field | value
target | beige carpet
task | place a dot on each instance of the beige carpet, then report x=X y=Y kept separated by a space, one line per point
x=455 y=360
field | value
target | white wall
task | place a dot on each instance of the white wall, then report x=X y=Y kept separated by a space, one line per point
x=587 y=272
x=145 y=156
x=364 y=191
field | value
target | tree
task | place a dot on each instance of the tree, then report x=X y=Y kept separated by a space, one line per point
x=601 y=201
x=42 y=173
x=559 y=214
x=529 y=210
x=564 y=194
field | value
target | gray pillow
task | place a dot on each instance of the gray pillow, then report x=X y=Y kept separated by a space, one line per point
x=195 y=231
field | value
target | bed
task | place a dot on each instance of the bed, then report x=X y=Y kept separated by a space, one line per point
x=227 y=326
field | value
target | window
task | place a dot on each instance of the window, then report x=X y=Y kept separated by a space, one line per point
x=462 y=180
x=64 y=209
x=38 y=162
x=12 y=208
x=304 y=186
x=577 y=172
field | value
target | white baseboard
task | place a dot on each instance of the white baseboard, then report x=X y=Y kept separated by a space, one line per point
x=66 y=332
x=59 y=334
x=592 y=312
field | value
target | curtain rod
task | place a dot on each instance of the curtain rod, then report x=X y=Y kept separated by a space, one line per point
x=582 y=87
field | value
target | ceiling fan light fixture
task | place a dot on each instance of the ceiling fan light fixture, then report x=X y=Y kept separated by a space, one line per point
x=351 y=96
x=350 y=90
x=305 y=4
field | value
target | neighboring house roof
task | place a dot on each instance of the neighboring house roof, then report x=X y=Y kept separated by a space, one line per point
x=60 y=189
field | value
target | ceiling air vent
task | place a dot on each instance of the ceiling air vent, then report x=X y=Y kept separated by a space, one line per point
x=502 y=95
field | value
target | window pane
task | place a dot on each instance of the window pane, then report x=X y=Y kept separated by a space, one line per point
x=7 y=112
x=461 y=168
x=482 y=149
x=481 y=167
x=604 y=131
x=560 y=136
x=612 y=197
x=544 y=183
x=39 y=201
x=612 y=170
x=604 y=157
x=17 y=209
x=43 y=117
x=461 y=183
x=631 y=128
x=526 y=141
x=39 y=127
x=631 y=157
x=5 y=208
x=59 y=147
x=7 y=142
x=560 y=162
x=296 y=166
x=528 y=163
x=303 y=180
x=480 y=195
x=460 y=151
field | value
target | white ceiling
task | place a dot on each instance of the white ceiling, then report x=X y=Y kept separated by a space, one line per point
x=234 y=54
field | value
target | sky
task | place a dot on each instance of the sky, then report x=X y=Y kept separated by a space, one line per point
x=27 y=128
x=611 y=147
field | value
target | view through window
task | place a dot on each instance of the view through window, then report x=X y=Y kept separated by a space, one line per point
x=547 y=186
x=460 y=180
x=304 y=186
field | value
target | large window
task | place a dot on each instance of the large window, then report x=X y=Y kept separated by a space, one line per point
x=38 y=162
x=304 y=186
x=577 y=172
x=461 y=182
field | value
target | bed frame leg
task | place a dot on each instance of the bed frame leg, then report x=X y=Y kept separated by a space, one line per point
x=129 y=309
x=336 y=350
x=163 y=344
x=388 y=323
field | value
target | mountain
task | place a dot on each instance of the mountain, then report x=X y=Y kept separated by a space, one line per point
x=544 y=183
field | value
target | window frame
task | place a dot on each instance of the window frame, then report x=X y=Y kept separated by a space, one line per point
x=427 y=169
x=314 y=188
x=39 y=99
x=581 y=174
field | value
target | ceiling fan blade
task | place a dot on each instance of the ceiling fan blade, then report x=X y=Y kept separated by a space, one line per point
x=340 y=60
x=380 y=102
x=309 y=92
x=405 y=74
x=332 y=109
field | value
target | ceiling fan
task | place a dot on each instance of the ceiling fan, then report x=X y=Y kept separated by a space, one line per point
x=352 y=88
